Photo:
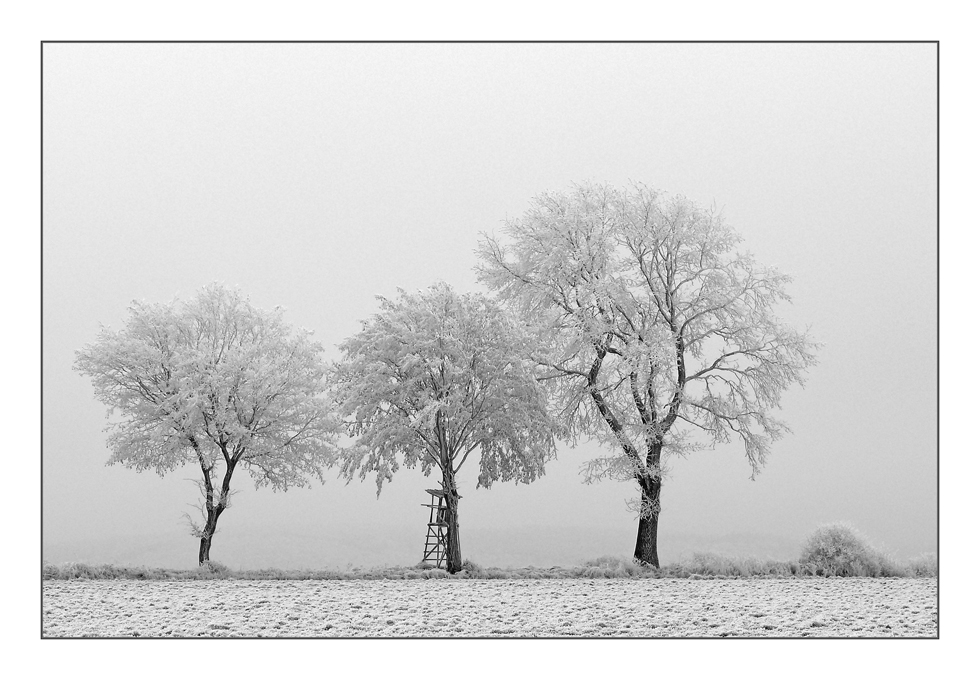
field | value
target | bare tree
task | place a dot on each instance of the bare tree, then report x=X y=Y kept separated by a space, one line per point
x=662 y=330
x=213 y=381
x=433 y=377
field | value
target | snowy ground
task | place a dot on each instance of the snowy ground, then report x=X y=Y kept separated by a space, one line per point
x=797 y=607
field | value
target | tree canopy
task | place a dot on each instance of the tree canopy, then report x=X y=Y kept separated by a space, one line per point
x=208 y=381
x=664 y=335
x=435 y=376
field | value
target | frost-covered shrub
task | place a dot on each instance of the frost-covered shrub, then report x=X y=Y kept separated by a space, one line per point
x=597 y=572
x=722 y=565
x=435 y=573
x=839 y=550
x=711 y=564
x=612 y=567
x=78 y=570
x=473 y=570
x=213 y=568
x=925 y=564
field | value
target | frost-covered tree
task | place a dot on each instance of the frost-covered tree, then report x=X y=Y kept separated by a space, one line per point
x=665 y=336
x=213 y=382
x=433 y=377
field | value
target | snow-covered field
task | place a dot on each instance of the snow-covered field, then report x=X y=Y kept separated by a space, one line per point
x=786 y=607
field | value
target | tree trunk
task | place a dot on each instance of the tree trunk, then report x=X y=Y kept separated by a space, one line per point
x=210 y=526
x=204 y=554
x=646 y=533
x=454 y=556
x=214 y=511
x=650 y=482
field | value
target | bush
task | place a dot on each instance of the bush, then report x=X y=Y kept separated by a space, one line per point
x=77 y=570
x=216 y=569
x=839 y=550
x=614 y=567
x=473 y=570
x=712 y=564
x=435 y=573
x=925 y=564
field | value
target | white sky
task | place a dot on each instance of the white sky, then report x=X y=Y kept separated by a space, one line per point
x=317 y=176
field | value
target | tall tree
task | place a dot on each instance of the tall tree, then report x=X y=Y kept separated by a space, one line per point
x=213 y=382
x=662 y=330
x=430 y=379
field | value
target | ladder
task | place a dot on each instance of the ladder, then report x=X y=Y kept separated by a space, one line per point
x=435 y=539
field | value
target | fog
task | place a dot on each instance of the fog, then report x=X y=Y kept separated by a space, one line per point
x=317 y=176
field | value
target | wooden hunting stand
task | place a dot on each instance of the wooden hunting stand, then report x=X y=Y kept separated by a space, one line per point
x=435 y=539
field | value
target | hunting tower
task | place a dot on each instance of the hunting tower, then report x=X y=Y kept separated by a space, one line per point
x=435 y=539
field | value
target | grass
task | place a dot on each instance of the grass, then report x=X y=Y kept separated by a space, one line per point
x=831 y=550
x=77 y=570
x=700 y=566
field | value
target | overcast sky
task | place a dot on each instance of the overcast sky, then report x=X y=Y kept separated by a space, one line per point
x=318 y=176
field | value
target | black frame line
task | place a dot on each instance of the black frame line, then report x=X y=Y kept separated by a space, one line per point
x=506 y=42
